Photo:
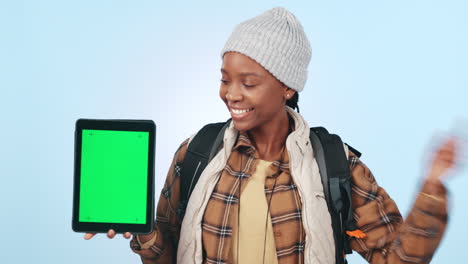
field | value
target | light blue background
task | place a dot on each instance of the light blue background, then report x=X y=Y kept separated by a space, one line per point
x=385 y=76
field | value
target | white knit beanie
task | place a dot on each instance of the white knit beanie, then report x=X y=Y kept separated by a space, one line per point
x=276 y=40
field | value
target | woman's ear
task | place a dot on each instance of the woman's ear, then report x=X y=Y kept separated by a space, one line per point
x=288 y=92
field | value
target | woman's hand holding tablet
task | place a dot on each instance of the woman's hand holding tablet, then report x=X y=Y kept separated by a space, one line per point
x=111 y=234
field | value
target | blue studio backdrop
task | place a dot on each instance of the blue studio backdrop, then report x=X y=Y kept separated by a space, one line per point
x=388 y=77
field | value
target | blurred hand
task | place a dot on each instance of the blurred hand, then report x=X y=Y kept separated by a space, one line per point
x=446 y=157
x=110 y=234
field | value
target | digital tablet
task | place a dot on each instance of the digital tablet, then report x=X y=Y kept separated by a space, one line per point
x=114 y=176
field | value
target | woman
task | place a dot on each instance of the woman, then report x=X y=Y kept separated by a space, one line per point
x=260 y=200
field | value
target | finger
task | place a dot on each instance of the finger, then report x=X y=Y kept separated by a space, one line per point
x=88 y=236
x=127 y=235
x=111 y=233
x=446 y=156
x=448 y=147
x=448 y=151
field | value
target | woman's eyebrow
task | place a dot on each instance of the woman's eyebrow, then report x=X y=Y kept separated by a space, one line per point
x=244 y=73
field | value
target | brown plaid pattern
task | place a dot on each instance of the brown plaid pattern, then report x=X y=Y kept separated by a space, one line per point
x=389 y=238
x=285 y=206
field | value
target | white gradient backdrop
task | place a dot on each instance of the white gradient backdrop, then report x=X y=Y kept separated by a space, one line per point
x=386 y=77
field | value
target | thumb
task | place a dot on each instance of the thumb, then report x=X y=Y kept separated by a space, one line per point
x=88 y=236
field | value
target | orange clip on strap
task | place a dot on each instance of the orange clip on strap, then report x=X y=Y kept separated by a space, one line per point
x=356 y=233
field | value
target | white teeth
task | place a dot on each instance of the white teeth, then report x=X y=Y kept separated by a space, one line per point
x=238 y=112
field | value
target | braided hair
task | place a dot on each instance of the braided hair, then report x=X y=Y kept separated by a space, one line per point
x=293 y=102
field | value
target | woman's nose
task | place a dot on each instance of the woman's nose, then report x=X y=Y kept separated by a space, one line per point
x=233 y=94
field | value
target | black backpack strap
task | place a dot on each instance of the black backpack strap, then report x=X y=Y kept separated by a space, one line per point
x=354 y=150
x=201 y=149
x=336 y=180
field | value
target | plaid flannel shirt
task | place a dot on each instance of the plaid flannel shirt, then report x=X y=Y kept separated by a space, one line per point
x=389 y=238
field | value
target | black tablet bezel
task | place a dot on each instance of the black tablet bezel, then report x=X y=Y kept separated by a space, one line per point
x=120 y=125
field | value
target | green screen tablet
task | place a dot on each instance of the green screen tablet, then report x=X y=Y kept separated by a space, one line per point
x=114 y=176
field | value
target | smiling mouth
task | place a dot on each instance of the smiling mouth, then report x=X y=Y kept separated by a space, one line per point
x=241 y=111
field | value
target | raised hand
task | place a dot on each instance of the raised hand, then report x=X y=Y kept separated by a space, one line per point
x=446 y=157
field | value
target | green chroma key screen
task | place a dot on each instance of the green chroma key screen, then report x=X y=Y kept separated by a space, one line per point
x=114 y=173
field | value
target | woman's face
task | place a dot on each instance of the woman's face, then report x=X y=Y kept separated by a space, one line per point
x=254 y=97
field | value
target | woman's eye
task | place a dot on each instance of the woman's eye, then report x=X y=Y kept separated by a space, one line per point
x=246 y=85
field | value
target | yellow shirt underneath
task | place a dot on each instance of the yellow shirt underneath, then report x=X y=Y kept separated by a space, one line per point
x=253 y=215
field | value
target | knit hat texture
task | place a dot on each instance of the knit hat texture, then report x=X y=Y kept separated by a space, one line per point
x=276 y=40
